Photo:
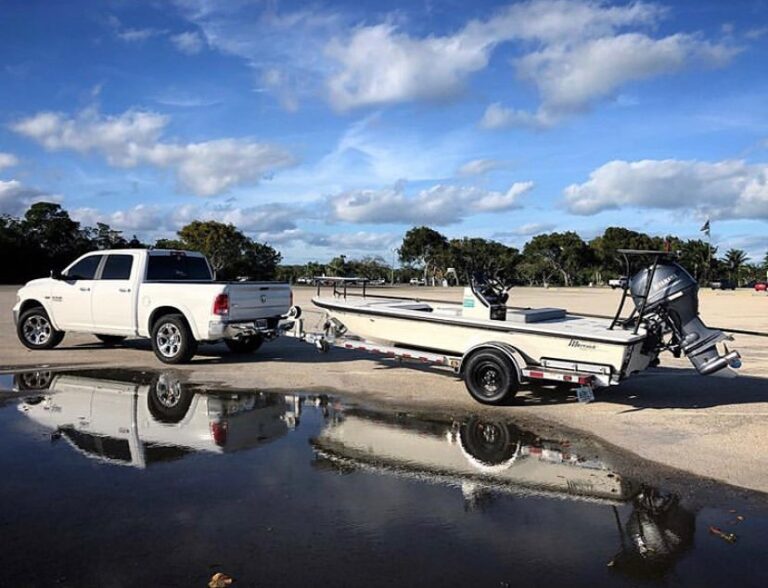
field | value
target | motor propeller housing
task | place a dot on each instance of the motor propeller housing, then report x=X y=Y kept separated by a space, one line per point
x=673 y=297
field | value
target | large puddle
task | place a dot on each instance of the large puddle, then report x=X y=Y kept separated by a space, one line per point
x=134 y=479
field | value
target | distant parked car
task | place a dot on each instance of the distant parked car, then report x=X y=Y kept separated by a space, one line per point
x=761 y=286
x=618 y=283
x=722 y=285
x=417 y=282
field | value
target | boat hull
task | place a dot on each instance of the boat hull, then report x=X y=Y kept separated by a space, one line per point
x=455 y=338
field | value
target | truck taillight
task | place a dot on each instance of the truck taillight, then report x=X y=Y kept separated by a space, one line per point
x=219 y=432
x=221 y=305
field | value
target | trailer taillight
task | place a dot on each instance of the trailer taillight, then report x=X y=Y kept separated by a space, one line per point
x=221 y=305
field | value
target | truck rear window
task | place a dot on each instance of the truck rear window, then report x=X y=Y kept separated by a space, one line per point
x=177 y=268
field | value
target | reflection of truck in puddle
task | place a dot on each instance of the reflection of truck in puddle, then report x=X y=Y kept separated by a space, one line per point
x=140 y=423
x=478 y=451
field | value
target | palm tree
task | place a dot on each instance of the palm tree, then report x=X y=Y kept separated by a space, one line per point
x=735 y=259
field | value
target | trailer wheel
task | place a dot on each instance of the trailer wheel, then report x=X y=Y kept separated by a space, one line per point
x=490 y=377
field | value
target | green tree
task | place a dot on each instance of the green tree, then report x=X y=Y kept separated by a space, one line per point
x=221 y=243
x=565 y=252
x=494 y=259
x=174 y=244
x=735 y=260
x=104 y=237
x=606 y=246
x=697 y=257
x=50 y=227
x=425 y=248
x=257 y=261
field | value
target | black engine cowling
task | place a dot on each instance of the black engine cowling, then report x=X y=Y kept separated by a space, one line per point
x=673 y=296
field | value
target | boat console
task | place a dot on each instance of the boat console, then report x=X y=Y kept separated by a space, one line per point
x=485 y=298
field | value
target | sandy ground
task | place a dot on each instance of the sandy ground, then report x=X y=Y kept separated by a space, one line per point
x=710 y=426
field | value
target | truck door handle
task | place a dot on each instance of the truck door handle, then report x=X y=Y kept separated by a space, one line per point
x=125 y=289
x=85 y=289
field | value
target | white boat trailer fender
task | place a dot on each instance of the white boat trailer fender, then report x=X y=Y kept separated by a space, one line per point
x=584 y=382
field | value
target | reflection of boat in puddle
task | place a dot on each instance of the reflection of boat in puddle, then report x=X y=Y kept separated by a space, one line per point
x=484 y=457
x=129 y=422
x=471 y=453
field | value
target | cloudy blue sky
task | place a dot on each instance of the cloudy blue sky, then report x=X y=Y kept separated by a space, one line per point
x=332 y=127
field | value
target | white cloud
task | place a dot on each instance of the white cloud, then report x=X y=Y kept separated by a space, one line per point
x=582 y=54
x=478 y=167
x=725 y=189
x=276 y=218
x=138 y=35
x=525 y=230
x=15 y=197
x=380 y=65
x=7 y=160
x=352 y=242
x=438 y=205
x=189 y=42
x=133 y=138
x=570 y=78
x=574 y=52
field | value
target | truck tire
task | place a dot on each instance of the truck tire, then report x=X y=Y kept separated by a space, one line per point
x=168 y=401
x=244 y=344
x=490 y=377
x=172 y=339
x=110 y=340
x=35 y=330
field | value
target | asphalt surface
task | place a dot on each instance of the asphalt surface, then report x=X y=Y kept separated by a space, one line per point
x=709 y=426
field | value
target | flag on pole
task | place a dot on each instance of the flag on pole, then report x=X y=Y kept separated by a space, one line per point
x=705 y=228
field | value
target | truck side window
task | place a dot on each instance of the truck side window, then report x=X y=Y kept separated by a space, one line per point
x=117 y=267
x=85 y=269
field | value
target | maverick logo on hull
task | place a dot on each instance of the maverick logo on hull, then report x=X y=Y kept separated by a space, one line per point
x=581 y=345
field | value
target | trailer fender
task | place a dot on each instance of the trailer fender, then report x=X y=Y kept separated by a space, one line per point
x=514 y=356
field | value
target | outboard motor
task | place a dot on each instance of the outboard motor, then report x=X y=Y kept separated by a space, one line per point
x=673 y=298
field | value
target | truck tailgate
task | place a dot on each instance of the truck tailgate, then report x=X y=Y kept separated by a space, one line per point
x=248 y=301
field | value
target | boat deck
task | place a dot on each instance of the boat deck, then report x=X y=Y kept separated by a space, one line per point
x=517 y=320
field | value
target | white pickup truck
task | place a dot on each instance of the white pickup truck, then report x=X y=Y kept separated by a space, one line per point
x=168 y=296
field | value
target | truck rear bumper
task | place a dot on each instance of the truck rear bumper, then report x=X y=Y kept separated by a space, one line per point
x=236 y=330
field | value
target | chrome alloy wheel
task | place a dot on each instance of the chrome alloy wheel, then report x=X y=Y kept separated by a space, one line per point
x=168 y=340
x=168 y=391
x=37 y=329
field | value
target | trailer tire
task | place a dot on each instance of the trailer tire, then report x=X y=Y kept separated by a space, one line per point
x=490 y=377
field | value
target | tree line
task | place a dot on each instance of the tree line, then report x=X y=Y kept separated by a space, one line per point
x=564 y=258
x=46 y=238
